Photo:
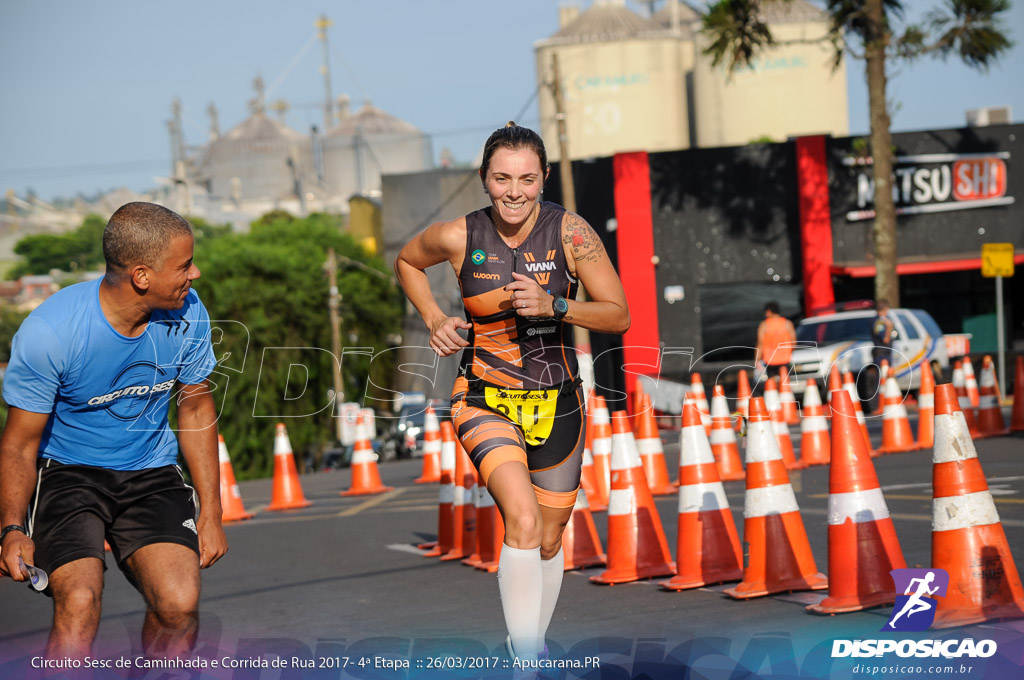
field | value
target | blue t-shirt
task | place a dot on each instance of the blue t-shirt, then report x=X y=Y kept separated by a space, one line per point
x=107 y=394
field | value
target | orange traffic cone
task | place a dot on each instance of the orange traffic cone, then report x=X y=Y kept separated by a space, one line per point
x=780 y=428
x=601 y=438
x=232 y=508
x=1017 y=421
x=896 y=434
x=771 y=396
x=814 y=438
x=971 y=383
x=883 y=371
x=968 y=540
x=474 y=558
x=648 y=443
x=926 y=407
x=701 y=399
x=780 y=556
x=431 y=449
x=790 y=410
x=990 y=412
x=960 y=387
x=851 y=388
x=588 y=475
x=862 y=543
x=490 y=531
x=365 y=475
x=707 y=546
x=446 y=496
x=723 y=438
x=287 y=493
x=835 y=382
x=581 y=546
x=465 y=511
x=637 y=548
x=742 y=398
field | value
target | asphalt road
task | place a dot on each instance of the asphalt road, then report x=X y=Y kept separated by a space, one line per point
x=342 y=578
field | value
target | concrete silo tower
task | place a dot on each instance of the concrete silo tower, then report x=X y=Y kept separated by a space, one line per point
x=790 y=90
x=367 y=144
x=260 y=159
x=623 y=81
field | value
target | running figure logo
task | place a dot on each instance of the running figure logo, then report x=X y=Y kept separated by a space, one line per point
x=915 y=608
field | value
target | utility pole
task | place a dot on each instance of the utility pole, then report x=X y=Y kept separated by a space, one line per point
x=581 y=336
x=322 y=24
x=565 y=165
x=333 y=305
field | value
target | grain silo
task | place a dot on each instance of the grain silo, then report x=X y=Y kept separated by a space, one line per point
x=789 y=90
x=260 y=159
x=367 y=144
x=623 y=78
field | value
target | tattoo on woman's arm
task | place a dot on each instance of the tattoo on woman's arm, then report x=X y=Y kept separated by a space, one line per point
x=586 y=244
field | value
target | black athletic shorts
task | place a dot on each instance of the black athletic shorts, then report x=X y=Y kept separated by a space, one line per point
x=76 y=507
x=543 y=429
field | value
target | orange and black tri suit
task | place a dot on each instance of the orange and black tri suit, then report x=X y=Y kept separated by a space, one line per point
x=518 y=394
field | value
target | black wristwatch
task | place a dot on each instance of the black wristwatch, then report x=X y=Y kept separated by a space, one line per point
x=12 y=527
x=560 y=307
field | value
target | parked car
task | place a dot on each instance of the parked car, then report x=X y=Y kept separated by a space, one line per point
x=405 y=436
x=844 y=338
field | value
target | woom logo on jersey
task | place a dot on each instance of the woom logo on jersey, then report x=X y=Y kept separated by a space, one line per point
x=478 y=257
x=928 y=183
x=484 y=275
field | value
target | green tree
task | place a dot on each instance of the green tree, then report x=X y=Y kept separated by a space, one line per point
x=269 y=285
x=869 y=30
x=80 y=249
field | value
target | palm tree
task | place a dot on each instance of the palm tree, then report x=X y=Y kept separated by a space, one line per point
x=866 y=29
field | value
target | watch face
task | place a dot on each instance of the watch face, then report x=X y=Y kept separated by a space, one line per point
x=561 y=306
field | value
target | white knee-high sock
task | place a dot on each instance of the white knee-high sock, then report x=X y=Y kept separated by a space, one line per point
x=551 y=577
x=520 y=584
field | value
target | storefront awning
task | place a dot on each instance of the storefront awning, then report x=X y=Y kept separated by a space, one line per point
x=863 y=270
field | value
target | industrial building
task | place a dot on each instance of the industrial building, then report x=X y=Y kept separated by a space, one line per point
x=643 y=83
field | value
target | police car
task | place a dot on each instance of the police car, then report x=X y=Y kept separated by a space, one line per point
x=844 y=338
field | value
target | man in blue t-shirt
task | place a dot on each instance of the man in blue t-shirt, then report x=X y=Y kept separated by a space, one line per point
x=88 y=454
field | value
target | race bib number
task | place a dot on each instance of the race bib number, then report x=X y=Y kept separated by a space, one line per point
x=531 y=410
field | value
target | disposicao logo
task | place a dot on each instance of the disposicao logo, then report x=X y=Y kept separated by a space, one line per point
x=914 y=610
x=478 y=257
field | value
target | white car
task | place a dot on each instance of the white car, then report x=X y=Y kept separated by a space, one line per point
x=844 y=338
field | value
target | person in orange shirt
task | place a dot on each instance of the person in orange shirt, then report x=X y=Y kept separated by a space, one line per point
x=776 y=339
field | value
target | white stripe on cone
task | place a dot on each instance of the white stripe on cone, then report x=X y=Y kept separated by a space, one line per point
x=650 y=446
x=622 y=502
x=925 y=401
x=702 y=497
x=814 y=424
x=695 y=443
x=952 y=441
x=859 y=506
x=769 y=500
x=723 y=435
x=762 y=445
x=964 y=512
x=624 y=452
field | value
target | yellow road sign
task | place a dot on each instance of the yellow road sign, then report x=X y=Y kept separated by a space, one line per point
x=997 y=260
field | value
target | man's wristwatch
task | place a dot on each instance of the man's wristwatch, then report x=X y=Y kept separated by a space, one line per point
x=560 y=307
x=12 y=527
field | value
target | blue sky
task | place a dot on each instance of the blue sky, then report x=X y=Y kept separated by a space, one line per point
x=87 y=86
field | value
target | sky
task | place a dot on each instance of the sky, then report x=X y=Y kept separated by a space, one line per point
x=86 y=87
